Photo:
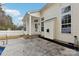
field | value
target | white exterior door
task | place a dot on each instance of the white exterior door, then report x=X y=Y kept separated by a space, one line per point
x=36 y=28
x=50 y=29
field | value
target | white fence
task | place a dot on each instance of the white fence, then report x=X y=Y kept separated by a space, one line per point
x=12 y=33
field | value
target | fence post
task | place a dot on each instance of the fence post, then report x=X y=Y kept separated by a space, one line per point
x=6 y=38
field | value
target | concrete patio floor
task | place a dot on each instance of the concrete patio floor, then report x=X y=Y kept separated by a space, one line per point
x=35 y=47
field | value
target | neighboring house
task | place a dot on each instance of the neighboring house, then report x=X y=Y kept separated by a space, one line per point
x=58 y=21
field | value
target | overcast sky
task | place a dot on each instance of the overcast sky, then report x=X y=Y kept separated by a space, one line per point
x=18 y=10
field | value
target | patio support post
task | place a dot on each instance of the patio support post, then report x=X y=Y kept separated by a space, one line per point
x=26 y=27
x=29 y=24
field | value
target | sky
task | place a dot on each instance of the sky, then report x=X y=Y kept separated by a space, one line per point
x=18 y=10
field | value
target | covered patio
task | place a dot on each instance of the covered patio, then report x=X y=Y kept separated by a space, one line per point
x=36 y=47
x=32 y=23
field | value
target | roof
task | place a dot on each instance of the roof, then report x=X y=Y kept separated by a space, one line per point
x=34 y=11
x=47 y=5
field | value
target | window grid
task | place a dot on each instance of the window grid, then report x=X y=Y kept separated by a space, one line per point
x=66 y=20
x=42 y=24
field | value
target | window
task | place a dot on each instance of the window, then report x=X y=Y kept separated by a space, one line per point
x=36 y=27
x=35 y=20
x=66 y=21
x=42 y=26
x=66 y=28
x=66 y=24
x=42 y=18
x=66 y=9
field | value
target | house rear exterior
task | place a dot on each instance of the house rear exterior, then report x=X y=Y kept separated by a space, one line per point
x=56 y=21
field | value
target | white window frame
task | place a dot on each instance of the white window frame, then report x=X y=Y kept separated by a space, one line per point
x=66 y=29
x=42 y=21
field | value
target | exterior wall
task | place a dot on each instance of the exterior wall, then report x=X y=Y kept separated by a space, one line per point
x=49 y=13
x=35 y=16
x=67 y=37
x=74 y=24
x=54 y=25
x=75 y=19
x=33 y=26
x=55 y=11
